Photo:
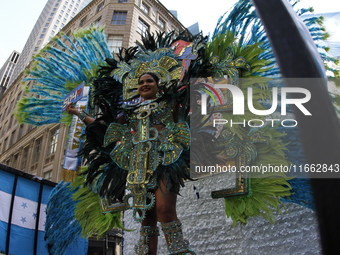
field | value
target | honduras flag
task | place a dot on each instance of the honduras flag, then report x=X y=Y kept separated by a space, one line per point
x=23 y=199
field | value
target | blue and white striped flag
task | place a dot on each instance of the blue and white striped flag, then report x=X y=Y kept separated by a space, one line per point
x=22 y=214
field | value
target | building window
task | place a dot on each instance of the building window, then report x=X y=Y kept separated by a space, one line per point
x=47 y=24
x=145 y=8
x=52 y=14
x=119 y=18
x=142 y=27
x=161 y=23
x=97 y=22
x=53 y=141
x=15 y=160
x=18 y=97
x=24 y=158
x=13 y=138
x=122 y=1
x=37 y=150
x=10 y=121
x=30 y=127
x=21 y=131
x=12 y=107
x=5 y=145
x=100 y=7
x=48 y=175
x=115 y=42
x=82 y=22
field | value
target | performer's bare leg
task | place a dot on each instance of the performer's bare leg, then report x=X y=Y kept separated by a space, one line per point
x=151 y=220
x=164 y=211
x=171 y=226
x=165 y=204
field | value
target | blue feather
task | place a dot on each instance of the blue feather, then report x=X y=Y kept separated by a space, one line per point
x=57 y=72
x=61 y=227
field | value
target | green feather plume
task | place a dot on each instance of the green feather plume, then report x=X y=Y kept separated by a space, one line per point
x=89 y=214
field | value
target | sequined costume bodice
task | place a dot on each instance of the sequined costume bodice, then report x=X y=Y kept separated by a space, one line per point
x=141 y=148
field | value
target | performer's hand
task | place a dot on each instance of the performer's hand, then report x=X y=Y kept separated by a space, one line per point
x=72 y=110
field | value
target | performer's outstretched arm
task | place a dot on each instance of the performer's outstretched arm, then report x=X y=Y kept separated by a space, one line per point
x=81 y=114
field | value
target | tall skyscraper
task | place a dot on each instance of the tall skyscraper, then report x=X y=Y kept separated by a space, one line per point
x=7 y=71
x=55 y=15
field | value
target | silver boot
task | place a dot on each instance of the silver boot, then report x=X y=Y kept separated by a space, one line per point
x=177 y=245
x=142 y=247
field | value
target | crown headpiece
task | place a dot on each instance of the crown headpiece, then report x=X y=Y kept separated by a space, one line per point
x=163 y=62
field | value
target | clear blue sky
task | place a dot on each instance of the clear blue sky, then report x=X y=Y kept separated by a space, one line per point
x=17 y=17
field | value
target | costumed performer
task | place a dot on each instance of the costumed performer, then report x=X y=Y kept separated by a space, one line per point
x=151 y=154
